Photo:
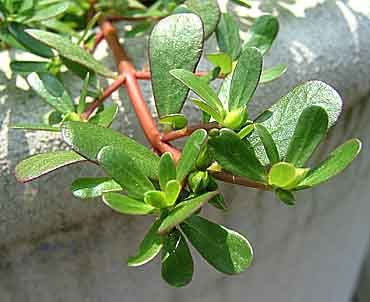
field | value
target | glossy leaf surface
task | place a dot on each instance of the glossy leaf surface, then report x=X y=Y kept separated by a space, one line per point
x=273 y=73
x=167 y=170
x=126 y=205
x=93 y=187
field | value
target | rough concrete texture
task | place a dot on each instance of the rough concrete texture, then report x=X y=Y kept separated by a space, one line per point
x=57 y=248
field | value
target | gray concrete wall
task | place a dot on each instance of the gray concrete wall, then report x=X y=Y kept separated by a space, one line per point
x=57 y=248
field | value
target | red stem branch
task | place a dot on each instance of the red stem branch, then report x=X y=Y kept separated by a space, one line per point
x=173 y=135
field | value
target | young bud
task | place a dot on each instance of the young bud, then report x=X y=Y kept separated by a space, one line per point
x=236 y=118
x=198 y=181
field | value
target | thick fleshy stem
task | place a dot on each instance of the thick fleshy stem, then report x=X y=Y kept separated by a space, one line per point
x=173 y=135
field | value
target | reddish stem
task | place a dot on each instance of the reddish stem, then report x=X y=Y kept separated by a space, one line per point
x=173 y=135
x=230 y=178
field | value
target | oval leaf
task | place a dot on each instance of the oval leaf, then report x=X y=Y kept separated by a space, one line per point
x=70 y=50
x=228 y=37
x=120 y=166
x=309 y=132
x=49 y=11
x=44 y=163
x=93 y=187
x=167 y=170
x=126 y=205
x=29 y=66
x=88 y=139
x=177 y=262
x=226 y=250
x=176 y=42
x=337 y=161
x=273 y=73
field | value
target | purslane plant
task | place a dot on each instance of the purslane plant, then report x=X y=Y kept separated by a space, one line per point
x=269 y=152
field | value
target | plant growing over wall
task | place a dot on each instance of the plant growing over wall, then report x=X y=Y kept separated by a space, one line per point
x=269 y=152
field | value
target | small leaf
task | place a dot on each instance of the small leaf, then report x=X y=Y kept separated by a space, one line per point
x=157 y=199
x=93 y=187
x=172 y=191
x=309 y=132
x=226 y=250
x=190 y=153
x=52 y=91
x=286 y=112
x=105 y=117
x=176 y=42
x=245 y=78
x=44 y=163
x=337 y=161
x=200 y=87
x=247 y=130
x=262 y=33
x=175 y=121
x=209 y=12
x=120 y=166
x=268 y=143
x=167 y=170
x=70 y=50
x=177 y=262
x=286 y=176
x=273 y=73
x=50 y=11
x=242 y=3
x=184 y=210
x=29 y=66
x=208 y=110
x=228 y=37
x=27 y=41
x=286 y=197
x=82 y=100
x=126 y=205
x=149 y=247
x=222 y=60
x=35 y=127
x=88 y=139
x=237 y=156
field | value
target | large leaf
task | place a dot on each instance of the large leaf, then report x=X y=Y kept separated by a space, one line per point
x=149 y=247
x=228 y=37
x=245 y=77
x=176 y=42
x=126 y=205
x=44 y=163
x=262 y=33
x=52 y=91
x=50 y=11
x=28 y=42
x=177 y=262
x=337 y=161
x=184 y=210
x=226 y=250
x=190 y=153
x=200 y=87
x=286 y=112
x=88 y=139
x=309 y=132
x=209 y=12
x=93 y=187
x=120 y=166
x=237 y=156
x=70 y=50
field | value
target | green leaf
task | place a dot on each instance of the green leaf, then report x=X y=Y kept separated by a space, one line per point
x=286 y=176
x=7 y=38
x=149 y=247
x=200 y=87
x=237 y=156
x=51 y=90
x=310 y=130
x=222 y=60
x=172 y=191
x=35 y=127
x=93 y=187
x=268 y=144
x=273 y=73
x=70 y=50
x=26 y=6
x=88 y=139
x=337 y=161
x=156 y=199
x=44 y=163
x=246 y=131
x=228 y=37
x=177 y=262
x=126 y=205
x=262 y=33
x=286 y=112
x=245 y=78
x=209 y=12
x=184 y=210
x=29 y=66
x=167 y=170
x=50 y=11
x=286 y=197
x=190 y=153
x=175 y=121
x=176 y=42
x=82 y=100
x=242 y=3
x=226 y=250
x=120 y=166
x=105 y=117
x=28 y=42
x=208 y=110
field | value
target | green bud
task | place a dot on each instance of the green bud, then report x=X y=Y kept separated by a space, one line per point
x=72 y=116
x=204 y=159
x=286 y=176
x=213 y=132
x=236 y=118
x=198 y=181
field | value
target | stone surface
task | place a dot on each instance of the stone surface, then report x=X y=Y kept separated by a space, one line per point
x=57 y=248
